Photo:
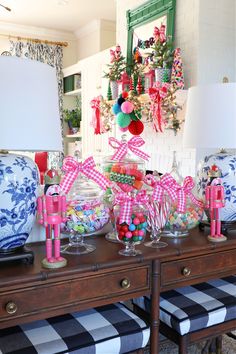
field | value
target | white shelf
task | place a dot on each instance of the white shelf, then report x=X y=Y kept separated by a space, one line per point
x=73 y=93
x=77 y=135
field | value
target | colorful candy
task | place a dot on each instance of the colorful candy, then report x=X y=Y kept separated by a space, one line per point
x=135 y=231
x=86 y=217
x=128 y=176
x=184 y=221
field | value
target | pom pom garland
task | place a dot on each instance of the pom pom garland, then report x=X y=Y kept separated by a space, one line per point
x=123 y=119
x=127 y=107
x=128 y=114
x=136 y=127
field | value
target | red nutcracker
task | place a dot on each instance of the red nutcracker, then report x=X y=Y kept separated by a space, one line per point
x=214 y=201
x=51 y=213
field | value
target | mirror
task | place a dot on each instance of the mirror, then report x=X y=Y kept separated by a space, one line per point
x=142 y=20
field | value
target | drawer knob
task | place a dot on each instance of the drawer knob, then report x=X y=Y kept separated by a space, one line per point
x=11 y=308
x=125 y=283
x=186 y=271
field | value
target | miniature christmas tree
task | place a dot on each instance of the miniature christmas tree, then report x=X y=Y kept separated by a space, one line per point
x=177 y=76
x=117 y=65
x=165 y=77
x=162 y=49
x=109 y=94
x=139 y=87
x=131 y=84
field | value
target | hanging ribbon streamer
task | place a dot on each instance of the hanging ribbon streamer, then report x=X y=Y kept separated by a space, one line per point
x=156 y=94
x=72 y=168
x=96 y=120
x=122 y=147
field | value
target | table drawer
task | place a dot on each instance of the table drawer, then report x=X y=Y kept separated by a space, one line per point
x=33 y=300
x=188 y=269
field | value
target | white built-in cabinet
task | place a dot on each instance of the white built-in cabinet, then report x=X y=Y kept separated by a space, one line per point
x=92 y=85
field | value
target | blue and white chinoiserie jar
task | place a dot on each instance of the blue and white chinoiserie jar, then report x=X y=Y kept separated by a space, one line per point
x=227 y=165
x=19 y=184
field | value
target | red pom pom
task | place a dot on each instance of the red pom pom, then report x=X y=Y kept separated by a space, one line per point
x=124 y=94
x=136 y=127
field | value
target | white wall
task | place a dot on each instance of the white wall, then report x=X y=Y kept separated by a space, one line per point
x=96 y=36
x=9 y=29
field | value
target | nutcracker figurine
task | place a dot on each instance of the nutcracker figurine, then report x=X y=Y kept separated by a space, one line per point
x=51 y=211
x=214 y=195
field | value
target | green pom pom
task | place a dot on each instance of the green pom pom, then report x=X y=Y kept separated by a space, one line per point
x=123 y=119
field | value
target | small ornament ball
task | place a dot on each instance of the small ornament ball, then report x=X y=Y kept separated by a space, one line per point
x=123 y=129
x=127 y=107
x=136 y=127
x=116 y=108
x=125 y=94
x=120 y=100
x=123 y=119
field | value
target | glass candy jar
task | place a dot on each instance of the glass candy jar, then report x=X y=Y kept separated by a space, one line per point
x=131 y=223
x=179 y=223
x=126 y=175
x=86 y=215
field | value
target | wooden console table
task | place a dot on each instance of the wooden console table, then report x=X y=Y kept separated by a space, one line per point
x=30 y=292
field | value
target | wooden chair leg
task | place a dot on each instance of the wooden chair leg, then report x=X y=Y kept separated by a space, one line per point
x=183 y=345
x=212 y=346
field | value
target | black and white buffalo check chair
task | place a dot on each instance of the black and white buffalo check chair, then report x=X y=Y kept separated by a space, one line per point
x=196 y=312
x=111 y=329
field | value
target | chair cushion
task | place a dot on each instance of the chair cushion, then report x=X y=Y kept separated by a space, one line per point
x=110 y=329
x=195 y=307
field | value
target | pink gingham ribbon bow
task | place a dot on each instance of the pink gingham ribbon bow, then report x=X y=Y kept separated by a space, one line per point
x=72 y=168
x=122 y=147
x=126 y=203
x=183 y=192
x=166 y=183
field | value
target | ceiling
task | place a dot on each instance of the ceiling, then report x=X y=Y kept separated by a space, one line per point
x=63 y=15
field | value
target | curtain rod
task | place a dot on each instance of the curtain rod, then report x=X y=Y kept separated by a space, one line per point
x=35 y=40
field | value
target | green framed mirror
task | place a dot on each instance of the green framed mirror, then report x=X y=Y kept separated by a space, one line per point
x=142 y=20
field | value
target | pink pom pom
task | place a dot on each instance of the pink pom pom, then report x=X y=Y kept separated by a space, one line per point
x=123 y=129
x=127 y=107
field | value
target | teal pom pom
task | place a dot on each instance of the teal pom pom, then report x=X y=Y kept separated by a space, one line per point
x=116 y=108
x=123 y=119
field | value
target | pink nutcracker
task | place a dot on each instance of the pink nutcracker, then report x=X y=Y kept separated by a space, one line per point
x=51 y=213
x=214 y=195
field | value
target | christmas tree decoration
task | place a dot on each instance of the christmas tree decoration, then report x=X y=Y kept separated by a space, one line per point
x=177 y=76
x=109 y=94
x=139 y=87
x=170 y=109
x=165 y=77
x=127 y=107
x=131 y=84
x=136 y=127
x=162 y=56
x=123 y=119
x=157 y=93
x=116 y=108
x=117 y=65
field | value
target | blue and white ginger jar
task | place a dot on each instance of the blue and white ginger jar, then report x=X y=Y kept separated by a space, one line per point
x=19 y=184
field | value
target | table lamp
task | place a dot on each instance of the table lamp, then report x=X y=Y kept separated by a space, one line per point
x=30 y=121
x=210 y=123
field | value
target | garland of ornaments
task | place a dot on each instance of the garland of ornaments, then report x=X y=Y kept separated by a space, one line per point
x=127 y=110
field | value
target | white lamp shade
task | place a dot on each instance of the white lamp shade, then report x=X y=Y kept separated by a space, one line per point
x=210 y=120
x=29 y=106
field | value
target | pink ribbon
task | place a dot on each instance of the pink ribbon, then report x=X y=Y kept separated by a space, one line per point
x=126 y=203
x=166 y=183
x=72 y=168
x=159 y=34
x=95 y=105
x=156 y=94
x=123 y=146
x=183 y=192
